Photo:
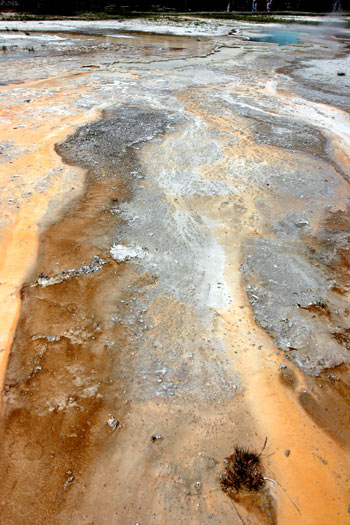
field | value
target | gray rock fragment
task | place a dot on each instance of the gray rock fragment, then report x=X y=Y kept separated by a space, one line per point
x=157 y=437
x=113 y=423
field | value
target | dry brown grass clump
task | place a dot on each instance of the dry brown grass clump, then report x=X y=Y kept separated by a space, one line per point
x=242 y=472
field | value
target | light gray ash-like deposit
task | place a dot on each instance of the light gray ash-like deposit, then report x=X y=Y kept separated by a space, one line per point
x=110 y=144
x=270 y=128
x=121 y=253
x=285 y=288
x=178 y=245
x=8 y=152
x=192 y=364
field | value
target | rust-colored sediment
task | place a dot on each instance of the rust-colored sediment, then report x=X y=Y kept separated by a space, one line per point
x=49 y=437
x=21 y=225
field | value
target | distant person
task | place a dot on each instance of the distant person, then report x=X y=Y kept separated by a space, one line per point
x=255 y=5
x=268 y=5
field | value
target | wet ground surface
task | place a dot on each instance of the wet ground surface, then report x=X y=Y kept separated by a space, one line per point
x=175 y=278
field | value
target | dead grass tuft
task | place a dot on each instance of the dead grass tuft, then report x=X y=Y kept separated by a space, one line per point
x=242 y=472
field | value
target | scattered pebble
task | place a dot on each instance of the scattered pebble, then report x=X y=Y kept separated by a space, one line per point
x=157 y=437
x=69 y=479
x=113 y=423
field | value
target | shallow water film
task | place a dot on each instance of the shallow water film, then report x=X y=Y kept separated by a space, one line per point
x=175 y=225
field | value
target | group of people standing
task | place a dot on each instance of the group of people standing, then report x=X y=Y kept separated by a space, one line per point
x=255 y=5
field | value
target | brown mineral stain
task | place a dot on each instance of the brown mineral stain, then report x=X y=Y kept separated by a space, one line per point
x=22 y=229
x=287 y=376
x=326 y=401
x=60 y=390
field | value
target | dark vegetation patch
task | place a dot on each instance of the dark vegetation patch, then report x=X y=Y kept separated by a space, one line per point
x=244 y=483
x=121 y=14
x=258 y=19
x=242 y=472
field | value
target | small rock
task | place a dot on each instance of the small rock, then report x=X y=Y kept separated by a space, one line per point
x=69 y=480
x=302 y=222
x=113 y=423
x=157 y=437
x=286 y=453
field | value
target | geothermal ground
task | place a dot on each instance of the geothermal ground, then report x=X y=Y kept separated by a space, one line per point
x=175 y=227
